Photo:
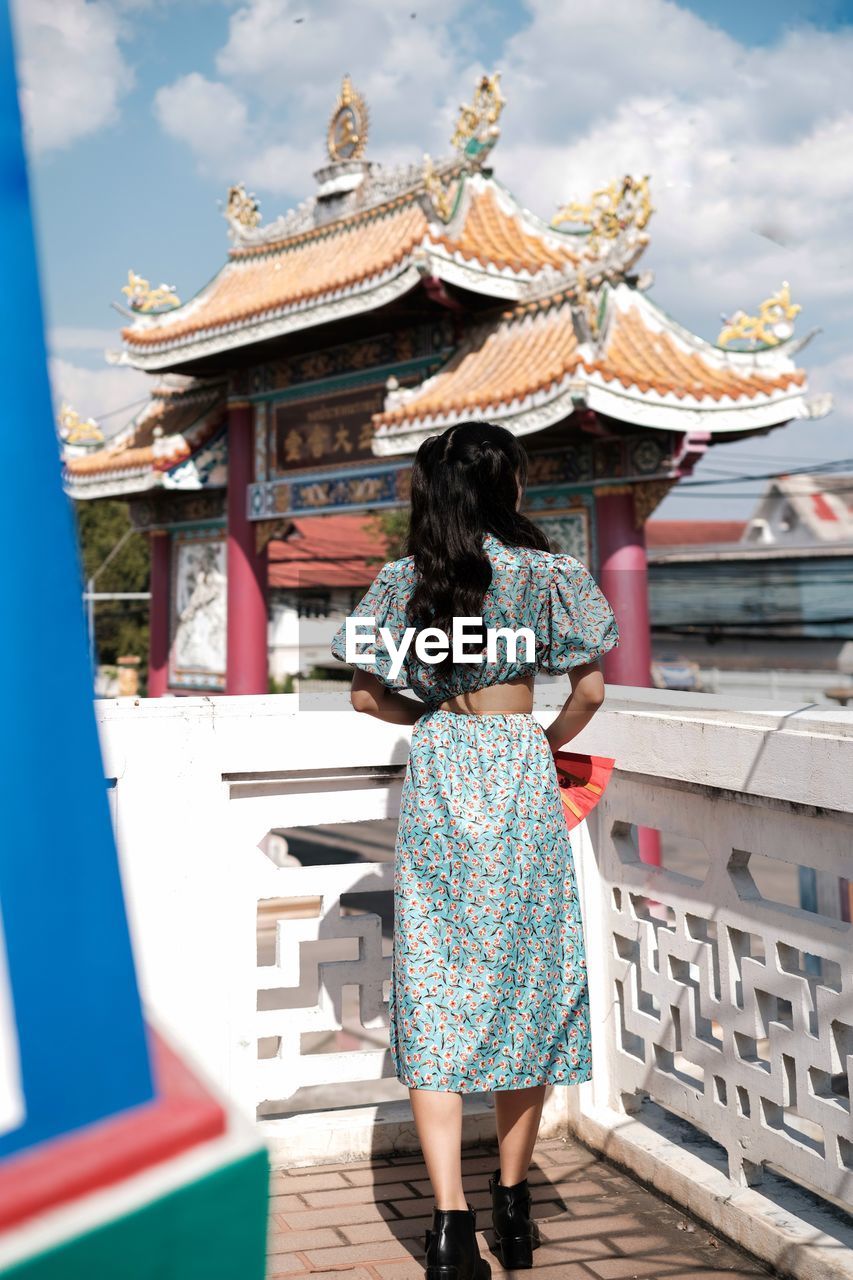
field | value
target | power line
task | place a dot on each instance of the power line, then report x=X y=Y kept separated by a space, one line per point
x=123 y=408
x=717 y=496
x=824 y=468
x=740 y=631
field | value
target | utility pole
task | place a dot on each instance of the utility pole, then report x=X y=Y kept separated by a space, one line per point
x=90 y=595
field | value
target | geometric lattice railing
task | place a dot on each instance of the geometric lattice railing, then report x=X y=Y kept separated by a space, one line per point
x=731 y=1009
x=326 y=981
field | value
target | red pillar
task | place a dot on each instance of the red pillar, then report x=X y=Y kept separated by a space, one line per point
x=246 y=668
x=623 y=577
x=159 y=542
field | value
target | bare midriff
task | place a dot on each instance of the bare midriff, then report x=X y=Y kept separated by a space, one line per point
x=508 y=698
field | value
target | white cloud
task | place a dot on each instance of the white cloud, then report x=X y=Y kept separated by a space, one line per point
x=205 y=114
x=748 y=152
x=575 y=62
x=265 y=118
x=71 y=69
x=399 y=62
x=212 y=119
x=71 y=338
x=747 y=147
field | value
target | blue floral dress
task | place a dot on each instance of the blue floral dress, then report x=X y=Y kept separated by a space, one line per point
x=488 y=981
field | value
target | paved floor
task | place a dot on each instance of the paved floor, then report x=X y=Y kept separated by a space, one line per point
x=366 y=1221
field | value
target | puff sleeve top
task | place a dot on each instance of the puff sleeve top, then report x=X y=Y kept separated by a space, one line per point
x=553 y=596
x=385 y=602
x=576 y=623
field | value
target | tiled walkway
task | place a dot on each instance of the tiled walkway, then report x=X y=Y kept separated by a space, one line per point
x=366 y=1222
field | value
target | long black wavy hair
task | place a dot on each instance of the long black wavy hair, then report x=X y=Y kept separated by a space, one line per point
x=465 y=483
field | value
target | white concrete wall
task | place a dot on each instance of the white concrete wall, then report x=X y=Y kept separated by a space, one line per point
x=791 y=686
x=297 y=644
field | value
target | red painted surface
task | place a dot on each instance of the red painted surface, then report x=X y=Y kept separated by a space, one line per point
x=246 y=662
x=158 y=618
x=328 y=551
x=182 y=1115
x=823 y=510
x=623 y=577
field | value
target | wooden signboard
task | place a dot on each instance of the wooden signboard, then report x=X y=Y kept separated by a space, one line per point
x=333 y=430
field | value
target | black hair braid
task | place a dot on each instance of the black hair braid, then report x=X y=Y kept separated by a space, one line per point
x=464 y=484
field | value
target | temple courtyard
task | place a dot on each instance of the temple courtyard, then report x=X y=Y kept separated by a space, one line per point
x=367 y=1220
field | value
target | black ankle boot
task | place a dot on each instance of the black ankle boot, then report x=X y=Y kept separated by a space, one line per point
x=452 y=1252
x=516 y=1232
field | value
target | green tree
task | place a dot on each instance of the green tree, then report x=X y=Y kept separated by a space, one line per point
x=393 y=528
x=121 y=626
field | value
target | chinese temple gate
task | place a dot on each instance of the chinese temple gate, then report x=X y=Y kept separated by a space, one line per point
x=392 y=303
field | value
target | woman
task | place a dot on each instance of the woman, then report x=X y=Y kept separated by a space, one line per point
x=488 y=987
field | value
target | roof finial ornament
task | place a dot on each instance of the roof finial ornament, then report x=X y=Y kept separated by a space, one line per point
x=242 y=207
x=477 y=126
x=438 y=190
x=73 y=430
x=588 y=306
x=610 y=211
x=347 y=134
x=772 y=325
x=141 y=296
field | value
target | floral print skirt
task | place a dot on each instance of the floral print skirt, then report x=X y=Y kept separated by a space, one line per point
x=489 y=981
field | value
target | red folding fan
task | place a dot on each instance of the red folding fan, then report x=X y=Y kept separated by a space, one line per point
x=582 y=781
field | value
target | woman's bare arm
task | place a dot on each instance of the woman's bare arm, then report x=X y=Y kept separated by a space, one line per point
x=371 y=696
x=581 y=705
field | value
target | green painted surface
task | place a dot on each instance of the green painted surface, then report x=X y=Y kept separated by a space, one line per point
x=212 y=1229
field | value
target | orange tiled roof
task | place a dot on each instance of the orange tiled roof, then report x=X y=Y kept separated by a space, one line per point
x=318 y=262
x=534 y=347
x=270 y=277
x=653 y=361
x=493 y=235
x=514 y=359
x=186 y=420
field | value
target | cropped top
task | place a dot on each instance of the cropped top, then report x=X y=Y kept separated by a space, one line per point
x=553 y=595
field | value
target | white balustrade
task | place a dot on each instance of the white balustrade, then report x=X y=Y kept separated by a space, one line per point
x=731 y=1010
x=715 y=1003
x=722 y=1010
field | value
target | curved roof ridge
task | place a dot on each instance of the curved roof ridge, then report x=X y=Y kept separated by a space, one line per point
x=366 y=258
x=530 y=366
x=322 y=231
x=199 y=412
x=722 y=356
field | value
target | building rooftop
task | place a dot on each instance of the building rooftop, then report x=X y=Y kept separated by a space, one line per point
x=327 y=551
x=688 y=533
x=534 y=361
x=170 y=442
x=550 y=317
x=490 y=246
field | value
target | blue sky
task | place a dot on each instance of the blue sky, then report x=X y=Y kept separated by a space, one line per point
x=141 y=112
